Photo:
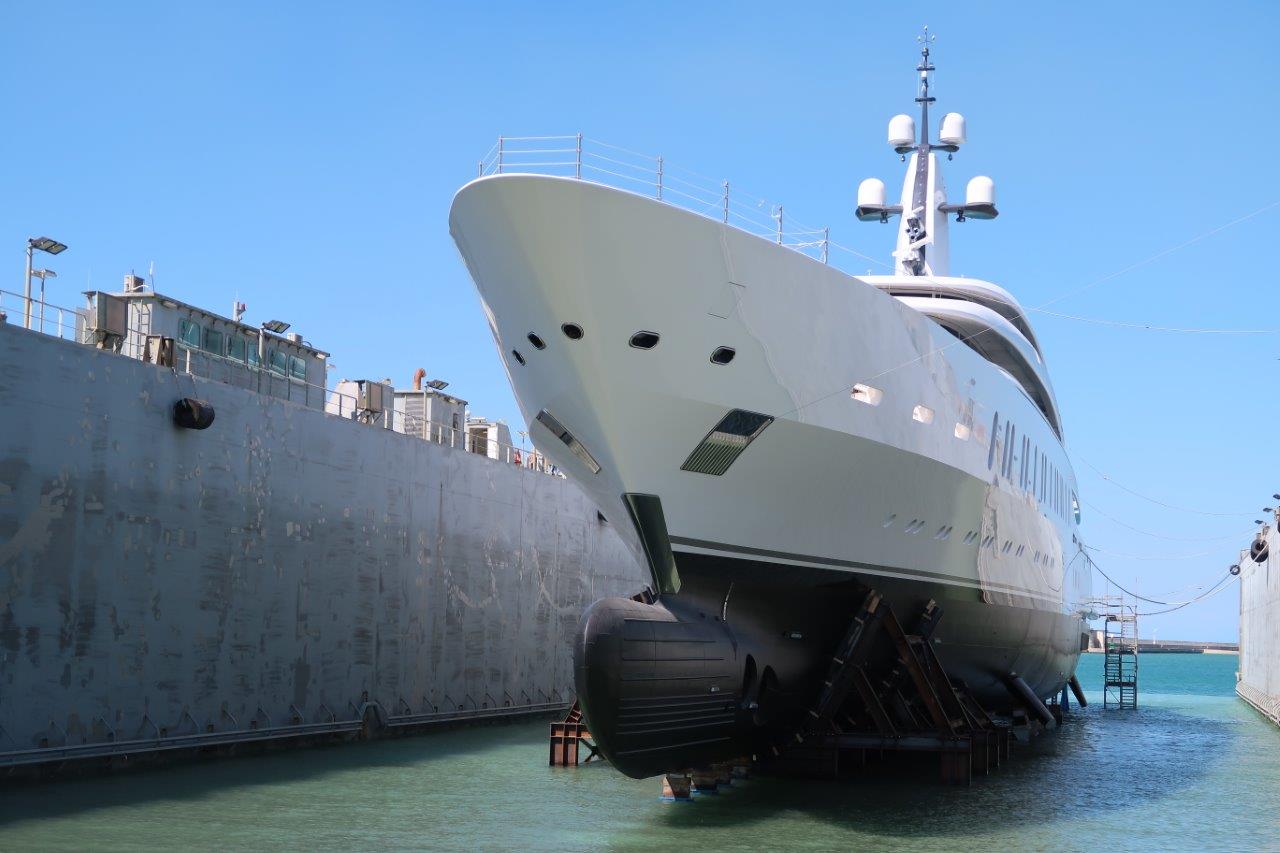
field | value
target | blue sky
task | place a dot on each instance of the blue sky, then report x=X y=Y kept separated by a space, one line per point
x=303 y=156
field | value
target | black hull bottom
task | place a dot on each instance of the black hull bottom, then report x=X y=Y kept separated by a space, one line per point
x=725 y=666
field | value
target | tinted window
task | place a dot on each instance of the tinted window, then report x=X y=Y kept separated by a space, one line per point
x=277 y=362
x=297 y=368
x=251 y=353
x=189 y=333
x=213 y=342
x=236 y=347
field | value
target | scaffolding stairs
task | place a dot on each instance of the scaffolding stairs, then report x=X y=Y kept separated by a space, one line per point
x=1120 y=656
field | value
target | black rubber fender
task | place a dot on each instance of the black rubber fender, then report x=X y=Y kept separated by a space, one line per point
x=190 y=413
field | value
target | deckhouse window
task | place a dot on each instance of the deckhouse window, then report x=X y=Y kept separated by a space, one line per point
x=297 y=368
x=236 y=346
x=189 y=332
x=213 y=342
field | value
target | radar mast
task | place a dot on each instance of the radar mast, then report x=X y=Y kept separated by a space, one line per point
x=922 y=247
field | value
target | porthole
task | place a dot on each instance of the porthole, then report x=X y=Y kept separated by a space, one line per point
x=572 y=331
x=518 y=356
x=644 y=340
x=537 y=342
x=723 y=355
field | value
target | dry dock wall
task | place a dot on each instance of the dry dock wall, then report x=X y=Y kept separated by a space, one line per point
x=1259 y=678
x=282 y=573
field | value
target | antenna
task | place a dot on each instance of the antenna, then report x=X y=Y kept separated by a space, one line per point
x=925 y=39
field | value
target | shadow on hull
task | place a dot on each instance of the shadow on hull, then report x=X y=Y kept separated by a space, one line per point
x=736 y=658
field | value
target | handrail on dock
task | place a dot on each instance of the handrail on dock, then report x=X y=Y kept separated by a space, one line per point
x=70 y=324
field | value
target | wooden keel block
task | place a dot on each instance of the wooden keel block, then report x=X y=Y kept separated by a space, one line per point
x=704 y=781
x=676 y=788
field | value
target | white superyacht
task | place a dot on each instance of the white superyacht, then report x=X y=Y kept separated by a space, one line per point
x=775 y=437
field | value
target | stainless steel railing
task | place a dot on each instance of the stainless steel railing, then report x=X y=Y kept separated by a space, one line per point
x=599 y=162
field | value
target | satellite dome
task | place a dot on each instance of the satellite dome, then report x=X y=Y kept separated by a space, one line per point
x=902 y=131
x=871 y=193
x=951 y=131
x=980 y=190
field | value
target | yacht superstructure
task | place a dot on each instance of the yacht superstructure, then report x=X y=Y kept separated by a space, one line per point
x=781 y=437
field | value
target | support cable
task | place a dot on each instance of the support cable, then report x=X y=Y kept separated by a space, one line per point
x=1170 y=604
x=1136 y=494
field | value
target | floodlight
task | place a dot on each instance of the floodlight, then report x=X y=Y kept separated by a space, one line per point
x=47 y=244
x=276 y=326
x=438 y=384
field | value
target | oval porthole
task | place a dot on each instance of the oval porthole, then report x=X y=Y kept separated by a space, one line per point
x=518 y=356
x=572 y=331
x=536 y=341
x=723 y=355
x=644 y=340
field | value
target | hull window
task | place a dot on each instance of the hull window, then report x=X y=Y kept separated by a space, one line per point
x=572 y=331
x=537 y=342
x=723 y=355
x=517 y=355
x=644 y=340
x=867 y=394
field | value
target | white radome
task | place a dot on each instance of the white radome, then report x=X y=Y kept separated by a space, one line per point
x=871 y=193
x=902 y=131
x=951 y=131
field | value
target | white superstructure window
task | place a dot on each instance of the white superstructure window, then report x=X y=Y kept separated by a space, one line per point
x=922 y=414
x=867 y=394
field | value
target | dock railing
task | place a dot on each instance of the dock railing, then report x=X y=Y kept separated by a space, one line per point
x=70 y=324
x=582 y=158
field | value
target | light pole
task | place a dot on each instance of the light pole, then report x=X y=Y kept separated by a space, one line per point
x=277 y=327
x=44 y=244
x=42 y=275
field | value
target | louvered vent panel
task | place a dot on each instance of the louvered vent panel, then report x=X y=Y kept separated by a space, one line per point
x=726 y=442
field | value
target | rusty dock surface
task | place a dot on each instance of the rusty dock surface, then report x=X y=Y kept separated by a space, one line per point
x=284 y=575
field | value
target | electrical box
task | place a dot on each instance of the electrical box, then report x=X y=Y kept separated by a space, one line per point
x=372 y=395
x=106 y=320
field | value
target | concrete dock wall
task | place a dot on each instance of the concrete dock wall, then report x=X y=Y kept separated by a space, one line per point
x=1259 y=678
x=282 y=573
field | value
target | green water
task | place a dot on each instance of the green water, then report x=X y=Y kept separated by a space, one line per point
x=1193 y=769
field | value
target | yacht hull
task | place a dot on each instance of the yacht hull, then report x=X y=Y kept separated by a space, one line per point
x=891 y=457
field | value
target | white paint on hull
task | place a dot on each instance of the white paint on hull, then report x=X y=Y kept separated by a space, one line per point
x=833 y=480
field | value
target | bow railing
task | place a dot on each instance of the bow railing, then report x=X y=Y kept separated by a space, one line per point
x=599 y=162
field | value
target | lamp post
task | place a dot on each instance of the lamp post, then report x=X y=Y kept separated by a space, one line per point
x=44 y=244
x=42 y=275
x=277 y=327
